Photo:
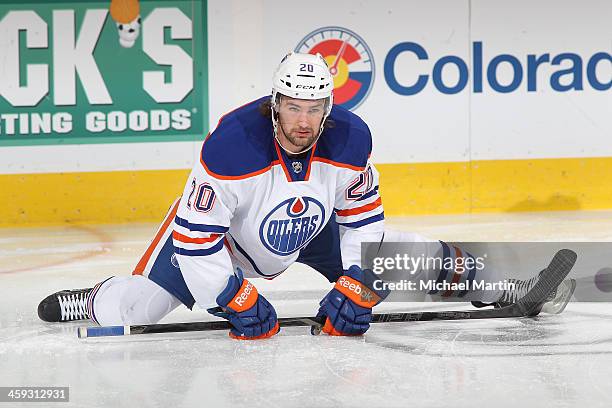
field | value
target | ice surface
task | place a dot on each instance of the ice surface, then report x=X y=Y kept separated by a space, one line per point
x=562 y=361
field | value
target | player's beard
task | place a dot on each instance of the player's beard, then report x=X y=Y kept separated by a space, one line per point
x=300 y=140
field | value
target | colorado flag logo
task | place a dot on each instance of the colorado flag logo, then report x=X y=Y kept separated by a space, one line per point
x=350 y=61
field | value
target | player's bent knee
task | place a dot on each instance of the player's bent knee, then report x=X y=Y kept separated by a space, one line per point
x=145 y=302
x=132 y=300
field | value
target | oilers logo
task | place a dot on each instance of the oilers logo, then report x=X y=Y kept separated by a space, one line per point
x=291 y=225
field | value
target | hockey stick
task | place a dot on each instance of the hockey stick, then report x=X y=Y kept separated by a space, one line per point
x=529 y=305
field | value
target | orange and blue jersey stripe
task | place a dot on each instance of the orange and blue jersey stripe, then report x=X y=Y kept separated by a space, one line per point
x=192 y=239
x=363 y=211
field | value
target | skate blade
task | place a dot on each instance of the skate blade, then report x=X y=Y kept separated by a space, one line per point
x=564 y=295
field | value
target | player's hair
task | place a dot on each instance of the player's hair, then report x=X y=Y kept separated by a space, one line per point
x=265 y=109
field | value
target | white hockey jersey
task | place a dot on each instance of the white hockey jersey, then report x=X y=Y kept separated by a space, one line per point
x=248 y=205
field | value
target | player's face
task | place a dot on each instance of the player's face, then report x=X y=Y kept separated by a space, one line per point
x=300 y=121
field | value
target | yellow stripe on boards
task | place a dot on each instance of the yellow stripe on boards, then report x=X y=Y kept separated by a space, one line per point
x=425 y=188
x=497 y=186
x=406 y=189
x=96 y=197
x=542 y=185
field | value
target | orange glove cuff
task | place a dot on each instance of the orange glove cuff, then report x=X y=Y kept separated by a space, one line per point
x=329 y=328
x=271 y=333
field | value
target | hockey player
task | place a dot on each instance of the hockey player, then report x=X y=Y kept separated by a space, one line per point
x=286 y=178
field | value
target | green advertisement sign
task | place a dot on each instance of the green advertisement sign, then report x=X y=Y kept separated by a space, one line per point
x=69 y=76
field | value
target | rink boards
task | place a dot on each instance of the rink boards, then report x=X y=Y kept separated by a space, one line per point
x=474 y=106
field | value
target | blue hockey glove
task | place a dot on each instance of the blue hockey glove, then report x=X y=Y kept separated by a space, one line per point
x=252 y=316
x=348 y=306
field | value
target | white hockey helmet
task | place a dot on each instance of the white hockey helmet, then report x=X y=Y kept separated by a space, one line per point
x=302 y=76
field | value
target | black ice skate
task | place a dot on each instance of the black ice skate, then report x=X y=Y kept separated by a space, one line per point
x=554 y=304
x=65 y=306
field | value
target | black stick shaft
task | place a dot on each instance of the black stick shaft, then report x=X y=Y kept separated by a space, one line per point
x=551 y=277
x=314 y=322
x=221 y=325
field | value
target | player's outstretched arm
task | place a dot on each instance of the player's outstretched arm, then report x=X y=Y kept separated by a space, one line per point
x=348 y=306
x=250 y=314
